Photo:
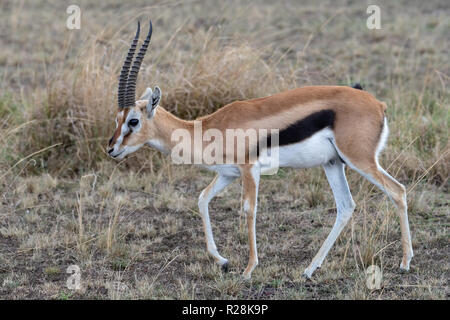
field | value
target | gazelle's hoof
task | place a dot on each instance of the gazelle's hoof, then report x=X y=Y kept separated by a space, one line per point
x=309 y=272
x=246 y=277
x=225 y=267
x=306 y=276
x=404 y=268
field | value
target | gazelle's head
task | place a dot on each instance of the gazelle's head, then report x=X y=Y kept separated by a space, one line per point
x=134 y=119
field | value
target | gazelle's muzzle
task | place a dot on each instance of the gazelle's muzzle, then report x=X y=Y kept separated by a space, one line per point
x=115 y=154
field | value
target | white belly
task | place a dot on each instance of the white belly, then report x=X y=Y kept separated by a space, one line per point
x=315 y=151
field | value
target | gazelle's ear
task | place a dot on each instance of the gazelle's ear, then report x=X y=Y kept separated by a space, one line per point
x=153 y=101
x=156 y=96
x=146 y=95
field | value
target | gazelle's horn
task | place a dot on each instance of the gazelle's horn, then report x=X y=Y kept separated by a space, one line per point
x=130 y=97
x=123 y=78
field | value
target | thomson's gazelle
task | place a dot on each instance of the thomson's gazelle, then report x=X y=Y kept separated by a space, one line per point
x=328 y=126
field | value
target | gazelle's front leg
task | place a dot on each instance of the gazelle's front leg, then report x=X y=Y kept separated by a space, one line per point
x=250 y=182
x=217 y=185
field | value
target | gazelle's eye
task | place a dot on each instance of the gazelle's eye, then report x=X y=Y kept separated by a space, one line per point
x=133 y=122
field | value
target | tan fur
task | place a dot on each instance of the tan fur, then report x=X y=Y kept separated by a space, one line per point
x=358 y=122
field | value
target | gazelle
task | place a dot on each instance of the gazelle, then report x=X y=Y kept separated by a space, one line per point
x=328 y=126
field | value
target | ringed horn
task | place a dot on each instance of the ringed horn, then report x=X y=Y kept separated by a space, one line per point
x=127 y=79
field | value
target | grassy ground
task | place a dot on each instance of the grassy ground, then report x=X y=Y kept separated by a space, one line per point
x=133 y=227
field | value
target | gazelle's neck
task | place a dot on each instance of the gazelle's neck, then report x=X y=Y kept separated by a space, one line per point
x=165 y=123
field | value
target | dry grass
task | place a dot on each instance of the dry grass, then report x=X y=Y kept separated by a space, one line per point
x=134 y=228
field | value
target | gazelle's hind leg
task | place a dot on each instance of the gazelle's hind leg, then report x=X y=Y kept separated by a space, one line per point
x=397 y=193
x=345 y=205
x=362 y=156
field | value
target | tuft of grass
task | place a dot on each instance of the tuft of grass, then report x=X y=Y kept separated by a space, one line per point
x=51 y=271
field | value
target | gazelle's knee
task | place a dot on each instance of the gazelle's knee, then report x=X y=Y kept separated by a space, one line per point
x=400 y=193
x=350 y=207
x=345 y=211
x=395 y=190
x=343 y=218
x=399 y=199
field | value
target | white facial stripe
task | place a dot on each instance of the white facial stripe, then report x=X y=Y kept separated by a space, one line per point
x=120 y=114
x=120 y=151
x=124 y=129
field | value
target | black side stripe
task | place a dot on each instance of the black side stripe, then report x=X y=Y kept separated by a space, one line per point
x=304 y=128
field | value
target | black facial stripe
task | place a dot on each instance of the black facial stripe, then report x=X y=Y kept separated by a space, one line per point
x=110 y=140
x=304 y=128
x=127 y=134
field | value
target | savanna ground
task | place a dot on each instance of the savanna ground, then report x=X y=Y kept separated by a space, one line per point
x=133 y=227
